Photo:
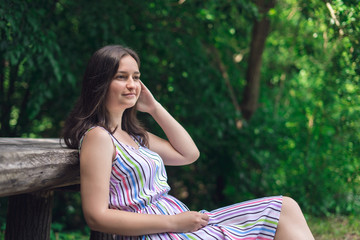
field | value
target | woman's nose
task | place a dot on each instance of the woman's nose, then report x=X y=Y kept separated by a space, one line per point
x=130 y=83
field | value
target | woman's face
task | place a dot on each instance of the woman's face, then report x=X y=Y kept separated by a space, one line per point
x=125 y=87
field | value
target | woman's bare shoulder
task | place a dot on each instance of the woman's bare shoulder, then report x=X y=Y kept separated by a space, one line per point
x=97 y=137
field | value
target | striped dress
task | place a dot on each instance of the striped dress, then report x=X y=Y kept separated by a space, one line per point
x=138 y=183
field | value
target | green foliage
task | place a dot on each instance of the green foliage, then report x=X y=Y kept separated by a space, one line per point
x=30 y=69
x=335 y=227
x=316 y=102
x=67 y=205
x=304 y=139
x=57 y=233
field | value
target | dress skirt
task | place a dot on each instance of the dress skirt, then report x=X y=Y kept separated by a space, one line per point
x=250 y=220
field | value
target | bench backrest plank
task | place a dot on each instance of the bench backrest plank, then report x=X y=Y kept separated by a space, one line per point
x=29 y=165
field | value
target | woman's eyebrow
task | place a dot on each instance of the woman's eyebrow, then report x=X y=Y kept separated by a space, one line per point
x=127 y=72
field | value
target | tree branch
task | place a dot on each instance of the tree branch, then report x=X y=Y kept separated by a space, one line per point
x=220 y=65
x=333 y=16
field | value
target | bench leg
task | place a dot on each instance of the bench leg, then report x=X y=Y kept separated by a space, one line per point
x=100 y=236
x=29 y=216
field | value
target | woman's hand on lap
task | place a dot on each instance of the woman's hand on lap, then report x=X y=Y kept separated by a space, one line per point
x=189 y=221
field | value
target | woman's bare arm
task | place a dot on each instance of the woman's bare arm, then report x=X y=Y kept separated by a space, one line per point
x=96 y=157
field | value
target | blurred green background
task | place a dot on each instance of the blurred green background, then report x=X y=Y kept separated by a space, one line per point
x=269 y=90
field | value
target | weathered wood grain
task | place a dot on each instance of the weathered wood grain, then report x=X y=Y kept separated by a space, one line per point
x=29 y=165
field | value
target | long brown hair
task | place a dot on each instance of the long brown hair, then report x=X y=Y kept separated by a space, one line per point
x=90 y=109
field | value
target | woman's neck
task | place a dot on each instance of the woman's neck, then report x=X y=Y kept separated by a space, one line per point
x=115 y=120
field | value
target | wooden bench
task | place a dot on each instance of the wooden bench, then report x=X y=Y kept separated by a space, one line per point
x=30 y=171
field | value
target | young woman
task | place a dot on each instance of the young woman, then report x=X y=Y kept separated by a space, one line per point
x=124 y=186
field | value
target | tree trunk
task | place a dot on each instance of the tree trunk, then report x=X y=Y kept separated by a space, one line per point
x=29 y=216
x=260 y=32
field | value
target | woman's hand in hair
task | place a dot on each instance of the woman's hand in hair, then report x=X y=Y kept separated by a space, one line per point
x=146 y=102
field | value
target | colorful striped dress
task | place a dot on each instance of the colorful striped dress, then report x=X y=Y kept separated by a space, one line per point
x=138 y=183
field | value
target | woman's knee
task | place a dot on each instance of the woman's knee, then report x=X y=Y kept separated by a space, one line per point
x=290 y=205
x=292 y=221
x=289 y=201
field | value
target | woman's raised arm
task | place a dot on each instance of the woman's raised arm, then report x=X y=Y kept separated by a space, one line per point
x=180 y=149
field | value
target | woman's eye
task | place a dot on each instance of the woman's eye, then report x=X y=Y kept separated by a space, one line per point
x=136 y=77
x=121 y=77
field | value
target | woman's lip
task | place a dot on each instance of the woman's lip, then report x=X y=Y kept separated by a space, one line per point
x=129 y=94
